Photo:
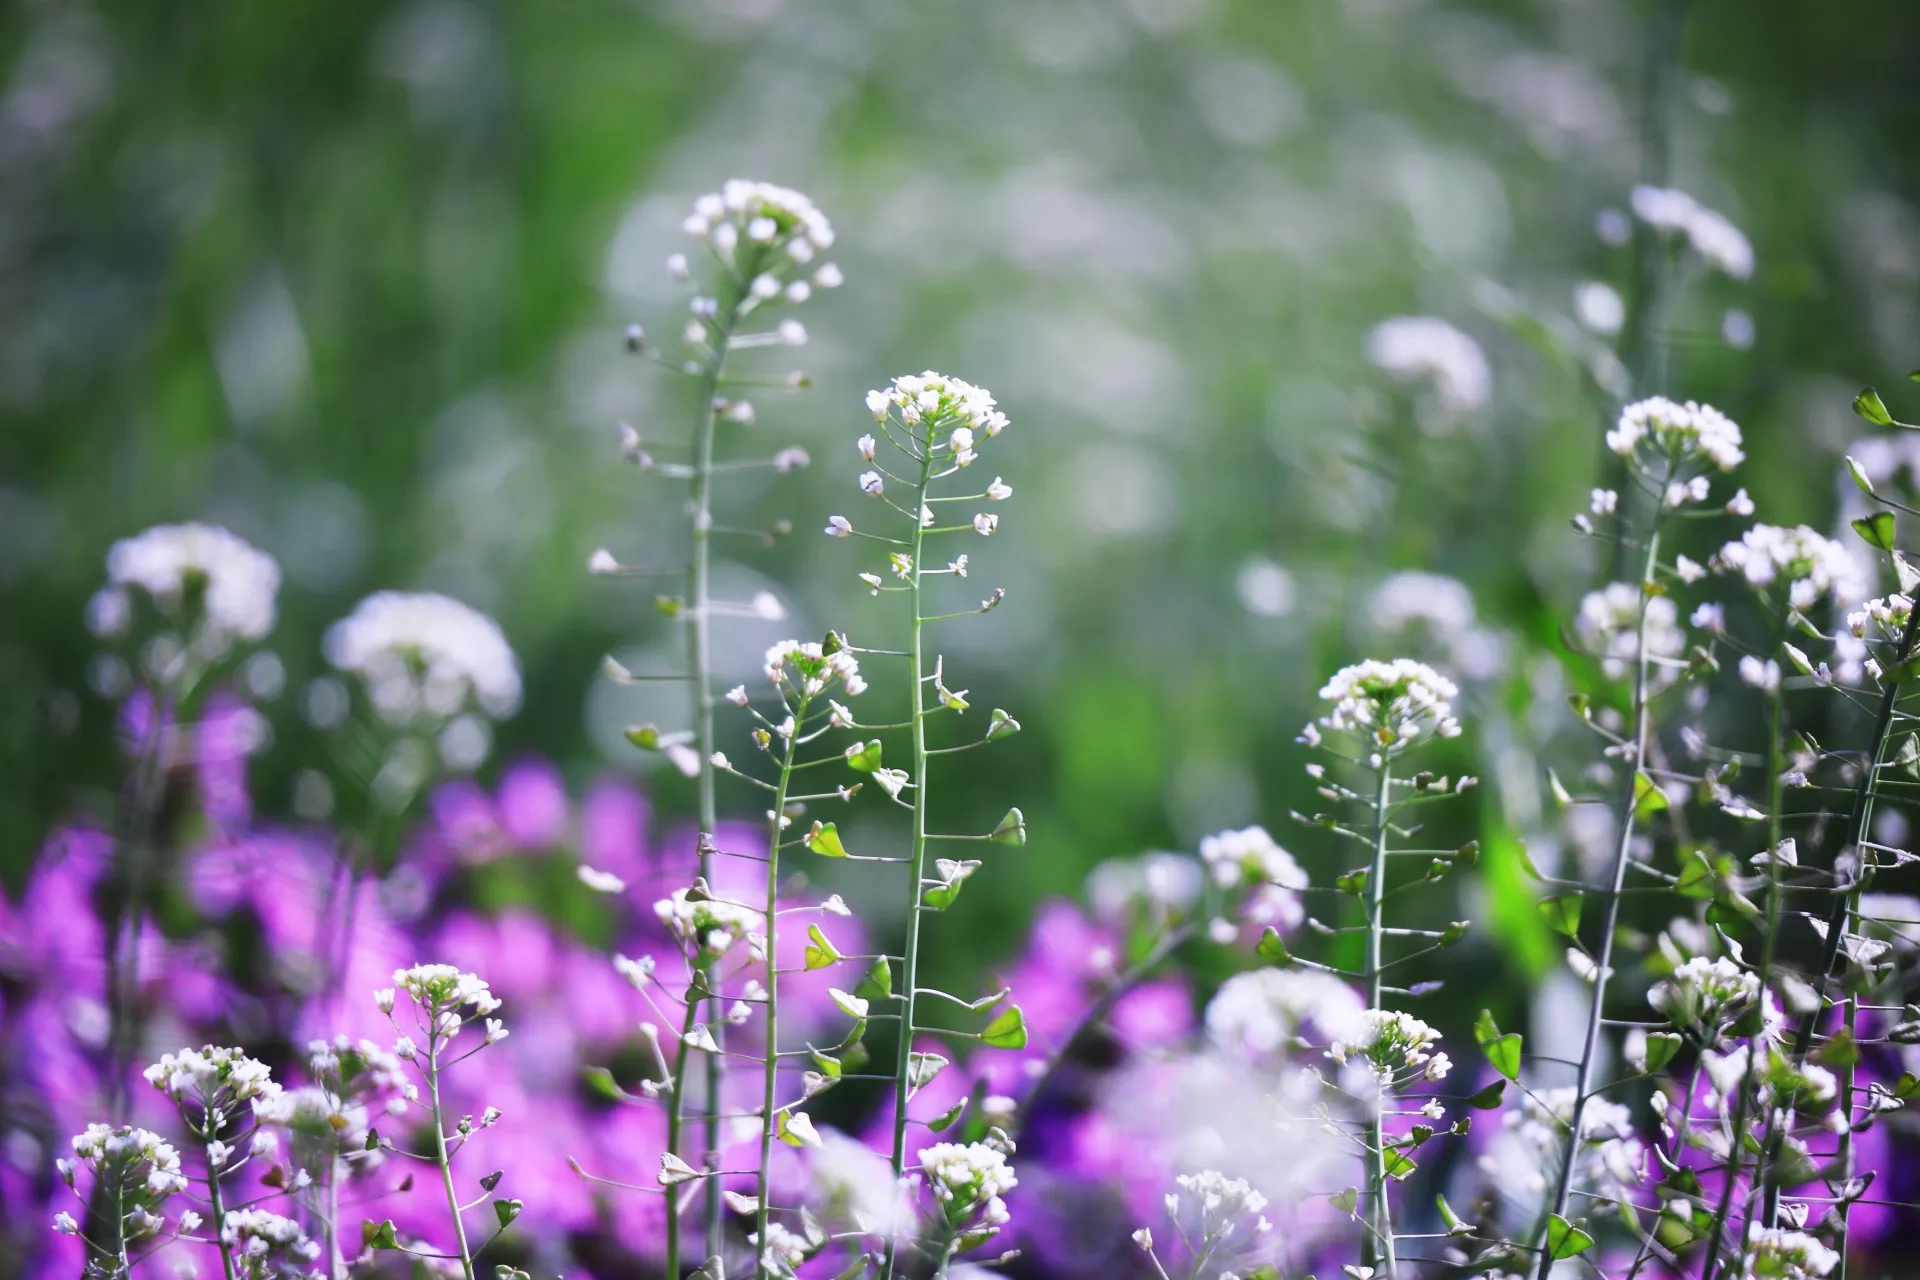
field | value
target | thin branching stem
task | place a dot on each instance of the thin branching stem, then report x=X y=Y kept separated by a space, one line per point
x=435 y=1043
x=1379 y=1250
x=771 y=1075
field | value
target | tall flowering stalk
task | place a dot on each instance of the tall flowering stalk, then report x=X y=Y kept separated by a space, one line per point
x=936 y=426
x=1384 y=710
x=762 y=241
x=1668 y=449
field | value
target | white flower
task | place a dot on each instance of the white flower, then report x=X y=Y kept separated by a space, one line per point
x=1889 y=613
x=933 y=400
x=839 y=527
x=711 y=924
x=139 y=1157
x=1777 y=1253
x=1683 y=429
x=1261 y=1011
x=985 y=523
x=258 y=1234
x=1706 y=994
x=677 y=266
x=1681 y=492
x=999 y=490
x=63 y=1223
x=1220 y=1199
x=1143 y=1238
x=445 y=987
x=865 y=444
x=807 y=667
x=1688 y=571
x=1410 y=348
x=1740 y=504
x=1709 y=616
x=966 y=1178
x=1811 y=565
x=212 y=1077
x=1718 y=242
x=791 y=458
x=791 y=332
x=1607 y=626
x=1762 y=675
x=764 y=286
x=1250 y=856
x=765 y=213
x=496 y=1031
x=1392 y=1042
x=1604 y=502
x=1393 y=703
x=425 y=654
x=602 y=562
x=600 y=881
x=236 y=583
x=1599 y=307
x=828 y=276
x=871 y=484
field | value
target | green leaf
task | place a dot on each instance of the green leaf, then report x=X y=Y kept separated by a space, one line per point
x=600 y=1081
x=1661 y=1046
x=1840 y=1051
x=1561 y=796
x=953 y=875
x=820 y=951
x=1354 y=882
x=922 y=1068
x=506 y=1211
x=1454 y=932
x=1907 y=1086
x=1562 y=913
x=669 y=606
x=1008 y=1031
x=878 y=982
x=1648 y=798
x=1271 y=949
x=829 y=1066
x=864 y=757
x=1876 y=529
x=1859 y=474
x=1488 y=1098
x=1485 y=1029
x=1869 y=406
x=1467 y=854
x=946 y=1118
x=644 y=736
x=1503 y=1051
x=1564 y=1240
x=1399 y=1166
x=1002 y=725
x=1012 y=829
x=852 y=1006
x=1697 y=877
x=1455 y=1227
x=825 y=841
x=1345 y=1201
x=378 y=1235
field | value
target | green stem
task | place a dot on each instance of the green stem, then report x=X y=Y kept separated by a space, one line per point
x=1642 y=731
x=772 y=1072
x=440 y=1158
x=910 y=960
x=1750 y=1085
x=216 y=1206
x=1379 y=1243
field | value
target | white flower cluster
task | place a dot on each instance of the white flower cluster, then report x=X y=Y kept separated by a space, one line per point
x=1608 y=623
x=256 y=1235
x=935 y=401
x=1778 y=1253
x=1262 y=1011
x=1250 y=856
x=237 y=582
x=1394 y=703
x=1706 y=994
x=1684 y=430
x=1410 y=348
x=1718 y=242
x=761 y=213
x=1889 y=613
x=1615 y=1157
x=784 y=1251
x=425 y=653
x=1221 y=1201
x=138 y=1156
x=441 y=986
x=1393 y=1042
x=813 y=670
x=213 y=1077
x=1812 y=565
x=712 y=924
x=1166 y=883
x=969 y=1177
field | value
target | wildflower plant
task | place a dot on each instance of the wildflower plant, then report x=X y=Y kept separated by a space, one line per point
x=760 y=258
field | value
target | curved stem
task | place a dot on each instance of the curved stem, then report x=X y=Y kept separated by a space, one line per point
x=434 y=1045
x=910 y=960
x=1379 y=1251
x=1642 y=730
x=772 y=1073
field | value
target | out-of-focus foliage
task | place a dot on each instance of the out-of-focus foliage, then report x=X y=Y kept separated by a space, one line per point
x=351 y=279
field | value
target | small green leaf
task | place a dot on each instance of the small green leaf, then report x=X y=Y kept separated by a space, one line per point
x=1562 y=913
x=1697 y=877
x=1504 y=1054
x=1561 y=796
x=946 y=1118
x=953 y=875
x=852 y=1006
x=864 y=757
x=1661 y=1046
x=829 y=1065
x=378 y=1235
x=506 y=1211
x=1839 y=1051
x=1876 y=529
x=1012 y=829
x=1488 y=1098
x=1002 y=725
x=922 y=1068
x=644 y=736
x=1271 y=949
x=1907 y=1086
x=1467 y=854
x=1485 y=1029
x=1648 y=798
x=1399 y=1166
x=878 y=982
x=820 y=951
x=1354 y=882
x=600 y=1081
x=1564 y=1240
x=1455 y=1227
x=825 y=841
x=1869 y=406
x=1345 y=1201
x=1859 y=474
x=1008 y=1031
x=669 y=606
x=1454 y=932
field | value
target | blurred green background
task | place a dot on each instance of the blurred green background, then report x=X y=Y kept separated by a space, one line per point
x=351 y=279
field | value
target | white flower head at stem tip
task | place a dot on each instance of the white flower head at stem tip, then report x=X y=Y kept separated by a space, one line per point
x=985 y=523
x=999 y=490
x=871 y=484
x=839 y=527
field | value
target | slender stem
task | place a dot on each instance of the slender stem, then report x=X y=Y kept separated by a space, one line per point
x=1679 y=1141
x=1750 y=1085
x=1379 y=1246
x=772 y=1073
x=434 y=1045
x=910 y=960
x=1840 y=915
x=1642 y=730
x=676 y=1117
x=329 y=1222
x=217 y=1208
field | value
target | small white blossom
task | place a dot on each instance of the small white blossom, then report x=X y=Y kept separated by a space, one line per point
x=999 y=490
x=1426 y=348
x=1392 y=703
x=871 y=484
x=1604 y=502
x=865 y=445
x=934 y=400
x=424 y=654
x=1720 y=244
x=236 y=583
x=839 y=527
x=984 y=524
x=1762 y=675
x=1685 y=430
